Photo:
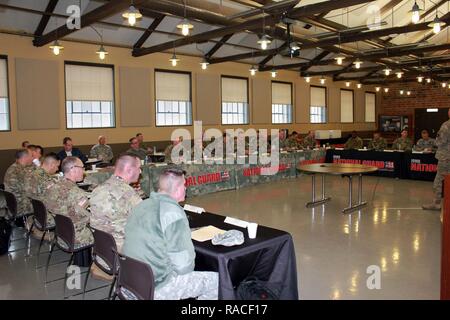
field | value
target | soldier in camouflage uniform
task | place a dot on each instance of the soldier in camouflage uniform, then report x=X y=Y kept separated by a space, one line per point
x=378 y=142
x=443 y=156
x=143 y=145
x=112 y=201
x=169 y=149
x=310 y=141
x=14 y=181
x=425 y=143
x=291 y=142
x=66 y=198
x=354 y=142
x=102 y=151
x=282 y=139
x=136 y=150
x=403 y=143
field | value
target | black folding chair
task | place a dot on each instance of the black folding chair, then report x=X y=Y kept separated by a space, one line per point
x=40 y=223
x=103 y=256
x=64 y=239
x=135 y=280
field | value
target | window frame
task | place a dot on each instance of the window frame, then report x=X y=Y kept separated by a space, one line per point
x=90 y=64
x=155 y=100
x=248 y=101
x=5 y=57
x=326 y=104
x=353 y=105
x=292 y=100
x=374 y=93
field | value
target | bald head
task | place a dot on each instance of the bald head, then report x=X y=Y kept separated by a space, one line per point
x=101 y=139
x=23 y=157
x=73 y=169
x=50 y=163
x=171 y=182
x=128 y=167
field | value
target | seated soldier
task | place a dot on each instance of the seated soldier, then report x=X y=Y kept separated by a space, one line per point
x=113 y=200
x=403 y=143
x=158 y=233
x=169 y=149
x=14 y=181
x=102 y=151
x=378 y=142
x=66 y=198
x=426 y=143
x=354 y=142
x=310 y=142
x=136 y=150
x=291 y=142
x=36 y=154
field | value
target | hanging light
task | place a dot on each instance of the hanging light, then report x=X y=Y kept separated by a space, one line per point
x=357 y=63
x=132 y=15
x=273 y=73
x=174 y=60
x=386 y=90
x=419 y=78
x=444 y=84
x=204 y=64
x=428 y=80
x=408 y=93
x=102 y=52
x=253 y=70
x=387 y=71
x=264 y=41
x=185 y=27
x=322 y=80
x=402 y=92
x=56 y=48
x=339 y=59
x=437 y=24
x=359 y=85
x=377 y=89
x=308 y=79
x=415 y=13
x=399 y=74
x=347 y=84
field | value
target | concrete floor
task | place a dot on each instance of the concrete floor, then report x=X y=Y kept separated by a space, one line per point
x=333 y=250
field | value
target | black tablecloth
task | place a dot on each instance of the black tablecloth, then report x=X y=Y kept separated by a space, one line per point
x=269 y=257
x=420 y=166
x=389 y=164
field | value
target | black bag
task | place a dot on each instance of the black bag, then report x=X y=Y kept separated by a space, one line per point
x=5 y=235
x=254 y=289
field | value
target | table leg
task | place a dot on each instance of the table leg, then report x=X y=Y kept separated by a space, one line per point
x=315 y=202
x=360 y=203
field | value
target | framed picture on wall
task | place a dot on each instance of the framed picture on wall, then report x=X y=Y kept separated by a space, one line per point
x=393 y=123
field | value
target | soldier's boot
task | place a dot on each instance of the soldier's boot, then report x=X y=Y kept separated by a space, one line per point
x=435 y=205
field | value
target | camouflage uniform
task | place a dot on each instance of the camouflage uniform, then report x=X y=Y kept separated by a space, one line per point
x=140 y=153
x=309 y=142
x=423 y=144
x=292 y=143
x=443 y=155
x=378 y=144
x=101 y=152
x=14 y=183
x=66 y=198
x=354 y=143
x=404 y=144
x=111 y=204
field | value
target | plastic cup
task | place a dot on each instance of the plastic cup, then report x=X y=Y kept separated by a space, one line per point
x=94 y=167
x=252 y=228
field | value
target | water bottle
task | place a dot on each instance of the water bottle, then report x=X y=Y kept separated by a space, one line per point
x=154 y=149
x=146 y=160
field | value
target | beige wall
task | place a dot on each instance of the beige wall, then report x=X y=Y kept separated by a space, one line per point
x=21 y=47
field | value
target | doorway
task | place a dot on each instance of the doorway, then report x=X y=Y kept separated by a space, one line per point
x=430 y=119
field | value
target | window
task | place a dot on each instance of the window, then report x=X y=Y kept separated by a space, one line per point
x=234 y=101
x=281 y=102
x=346 y=105
x=89 y=96
x=318 y=105
x=370 y=107
x=173 y=99
x=4 y=101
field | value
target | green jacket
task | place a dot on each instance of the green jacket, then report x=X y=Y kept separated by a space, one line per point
x=378 y=144
x=402 y=144
x=354 y=143
x=158 y=233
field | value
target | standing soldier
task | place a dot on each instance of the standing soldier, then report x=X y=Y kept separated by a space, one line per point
x=378 y=142
x=403 y=143
x=443 y=156
x=66 y=198
x=112 y=201
x=102 y=151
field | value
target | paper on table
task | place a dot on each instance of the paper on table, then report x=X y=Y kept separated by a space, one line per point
x=206 y=233
x=192 y=208
x=236 y=222
x=338 y=148
x=160 y=164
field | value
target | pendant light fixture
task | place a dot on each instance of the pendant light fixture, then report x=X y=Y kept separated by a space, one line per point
x=437 y=24
x=387 y=71
x=415 y=13
x=102 y=53
x=185 y=26
x=347 y=84
x=377 y=89
x=357 y=63
x=174 y=59
x=273 y=73
x=359 y=85
x=253 y=70
x=399 y=74
x=308 y=79
x=132 y=14
x=419 y=79
x=322 y=80
x=264 y=41
x=204 y=64
x=56 y=47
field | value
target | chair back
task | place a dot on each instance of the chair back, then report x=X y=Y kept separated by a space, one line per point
x=136 y=277
x=65 y=231
x=11 y=202
x=105 y=248
x=40 y=214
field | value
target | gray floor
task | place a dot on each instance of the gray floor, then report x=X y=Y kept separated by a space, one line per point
x=333 y=250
